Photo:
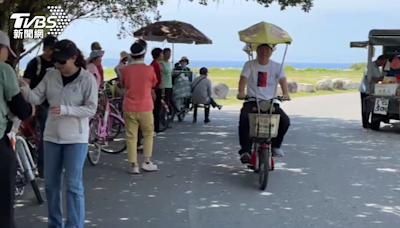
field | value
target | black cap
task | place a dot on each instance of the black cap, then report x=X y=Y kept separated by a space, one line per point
x=49 y=41
x=203 y=71
x=137 y=49
x=64 y=50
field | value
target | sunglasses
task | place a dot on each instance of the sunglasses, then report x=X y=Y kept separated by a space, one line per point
x=61 y=62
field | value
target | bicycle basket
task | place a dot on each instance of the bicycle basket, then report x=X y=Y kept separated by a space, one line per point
x=263 y=121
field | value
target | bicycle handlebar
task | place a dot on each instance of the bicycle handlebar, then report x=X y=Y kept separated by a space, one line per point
x=279 y=98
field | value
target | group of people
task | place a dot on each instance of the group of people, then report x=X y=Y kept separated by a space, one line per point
x=65 y=85
x=67 y=94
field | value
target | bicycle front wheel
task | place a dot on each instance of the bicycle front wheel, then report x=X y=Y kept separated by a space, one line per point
x=263 y=167
x=116 y=143
x=94 y=153
x=36 y=190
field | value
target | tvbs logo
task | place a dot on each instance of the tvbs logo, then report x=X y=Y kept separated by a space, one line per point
x=31 y=29
x=27 y=28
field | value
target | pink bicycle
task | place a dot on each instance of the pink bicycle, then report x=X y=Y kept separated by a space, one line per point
x=107 y=129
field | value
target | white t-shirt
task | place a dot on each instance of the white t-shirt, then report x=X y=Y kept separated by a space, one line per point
x=262 y=79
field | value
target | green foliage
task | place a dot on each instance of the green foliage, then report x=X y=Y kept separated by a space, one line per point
x=306 y=5
x=358 y=66
x=289 y=68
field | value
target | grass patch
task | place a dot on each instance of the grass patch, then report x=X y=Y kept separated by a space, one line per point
x=231 y=76
x=231 y=100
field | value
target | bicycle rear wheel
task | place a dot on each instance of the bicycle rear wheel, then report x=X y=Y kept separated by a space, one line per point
x=164 y=119
x=116 y=143
x=263 y=167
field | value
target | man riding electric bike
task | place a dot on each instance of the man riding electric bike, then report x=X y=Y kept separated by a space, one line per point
x=260 y=76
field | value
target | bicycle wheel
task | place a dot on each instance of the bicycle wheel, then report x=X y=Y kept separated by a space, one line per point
x=19 y=181
x=36 y=190
x=94 y=152
x=164 y=119
x=117 y=143
x=263 y=167
x=172 y=112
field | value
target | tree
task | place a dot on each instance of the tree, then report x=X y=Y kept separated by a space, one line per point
x=306 y=5
x=131 y=14
x=358 y=66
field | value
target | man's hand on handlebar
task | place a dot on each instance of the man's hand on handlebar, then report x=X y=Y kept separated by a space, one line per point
x=241 y=96
x=285 y=97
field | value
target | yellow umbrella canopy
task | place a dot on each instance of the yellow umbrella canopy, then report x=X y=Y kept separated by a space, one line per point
x=264 y=33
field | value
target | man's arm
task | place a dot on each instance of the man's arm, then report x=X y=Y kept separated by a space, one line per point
x=209 y=88
x=283 y=81
x=157 y=70
x=153 y=78
x=12 y=95
x=30 y=71
x=246 y=71
x=376 y=75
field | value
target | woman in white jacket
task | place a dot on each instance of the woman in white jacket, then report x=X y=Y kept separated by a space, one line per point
x=72 y=94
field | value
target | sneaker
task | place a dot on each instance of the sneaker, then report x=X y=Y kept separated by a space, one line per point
x=245 y=158
x=149 y=167
x=277 y=152
x=140 y=147
x=134 y=169
x=219 y=107
x=207 y=121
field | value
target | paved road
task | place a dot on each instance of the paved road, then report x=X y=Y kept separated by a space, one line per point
x=334 y=174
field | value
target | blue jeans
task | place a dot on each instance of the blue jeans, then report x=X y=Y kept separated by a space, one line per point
x=71 y=158
x=42 y=116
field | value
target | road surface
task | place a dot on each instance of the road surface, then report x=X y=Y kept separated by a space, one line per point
x=335 y=174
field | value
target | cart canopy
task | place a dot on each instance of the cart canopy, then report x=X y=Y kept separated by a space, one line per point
x=381 y=37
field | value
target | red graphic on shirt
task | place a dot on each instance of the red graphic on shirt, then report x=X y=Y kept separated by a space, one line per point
x=262 y=79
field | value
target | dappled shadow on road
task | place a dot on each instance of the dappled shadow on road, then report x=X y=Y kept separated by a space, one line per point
x=331 y=165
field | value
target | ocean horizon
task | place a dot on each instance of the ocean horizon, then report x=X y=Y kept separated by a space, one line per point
x=112 y=62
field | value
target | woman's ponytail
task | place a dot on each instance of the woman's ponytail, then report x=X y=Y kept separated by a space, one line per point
x=80 y=60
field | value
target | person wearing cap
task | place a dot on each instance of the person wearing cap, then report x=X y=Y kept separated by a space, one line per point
x=93 y=63
x=33 y=75
x=123 y=60
x=202 y=92
x=97 y=47
x=157 y=55
x=138 y=80
x=72 y=93
x=12 y=101
x=183 y=64
x=259 y=78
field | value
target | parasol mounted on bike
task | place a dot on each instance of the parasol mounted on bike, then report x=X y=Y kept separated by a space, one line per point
x=263 y=123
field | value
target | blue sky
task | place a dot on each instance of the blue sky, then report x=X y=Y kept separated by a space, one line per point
x=321 y=36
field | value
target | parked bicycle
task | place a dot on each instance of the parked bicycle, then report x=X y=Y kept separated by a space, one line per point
x=164 y=116
x=26 y=165
x=105 y=128
x=30 y=129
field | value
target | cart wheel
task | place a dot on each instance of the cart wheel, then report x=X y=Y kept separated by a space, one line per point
x=375 y=122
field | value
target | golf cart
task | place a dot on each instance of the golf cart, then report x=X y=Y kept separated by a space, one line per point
x=384 y=100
